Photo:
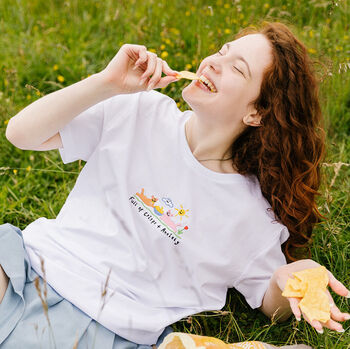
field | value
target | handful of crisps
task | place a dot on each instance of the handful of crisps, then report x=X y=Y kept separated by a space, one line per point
x=310 y=285
x=187 y=75
x=181 y=340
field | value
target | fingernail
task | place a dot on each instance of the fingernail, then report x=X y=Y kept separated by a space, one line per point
x=150 y=87
x=141 y=81
x=319 y=331
x=348 y=295
x=341 y=330
x=298 y=318
x=347 y=316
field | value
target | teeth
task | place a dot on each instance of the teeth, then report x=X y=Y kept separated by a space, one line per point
x=212 y=88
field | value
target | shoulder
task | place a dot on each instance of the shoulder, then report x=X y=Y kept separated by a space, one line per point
x=141 y=102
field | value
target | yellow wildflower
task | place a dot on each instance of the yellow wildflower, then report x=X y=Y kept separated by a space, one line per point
x=227 y=6
x=28 y=168
x=311 y=34
x=153 y=50
x=6 y=122
x=60 y=78
x=15 y=171
x=187 y=13
x=266 y=5
x=188 y=66
x=175 y=31
x=55 y=67
x=37 y=93
x=168 y=41
x=227 y=31
x=6 y=82
x=241 y=16
x=178 y=104
x=164 y=54
x=162 y=47
x=29 y=96
x=312 y=50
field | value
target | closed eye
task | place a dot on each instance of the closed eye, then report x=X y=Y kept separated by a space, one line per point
x=233 y=66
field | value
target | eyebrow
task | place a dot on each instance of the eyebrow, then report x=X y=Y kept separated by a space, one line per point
x=242 y=59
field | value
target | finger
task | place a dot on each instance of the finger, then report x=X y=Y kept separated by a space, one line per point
x=151 y=65
x=156 y=75
x=167 y=70
x=142 y=56
x=336 y=314
x=333 y=325
x=337 y=286
x=314 y=323
x=293 y=301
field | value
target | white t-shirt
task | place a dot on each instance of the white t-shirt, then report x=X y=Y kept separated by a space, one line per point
x=174 y=234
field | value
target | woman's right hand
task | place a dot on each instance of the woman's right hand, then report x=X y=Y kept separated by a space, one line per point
x=130 y=70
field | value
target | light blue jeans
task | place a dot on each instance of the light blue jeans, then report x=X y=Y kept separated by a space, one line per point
x=23 y=323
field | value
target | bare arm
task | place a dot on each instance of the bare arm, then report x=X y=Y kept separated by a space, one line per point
x=274 y=302
x=40 y=121
x=36 y=126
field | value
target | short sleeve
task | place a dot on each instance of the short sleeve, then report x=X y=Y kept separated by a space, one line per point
x=82 y=134
x=255 y=279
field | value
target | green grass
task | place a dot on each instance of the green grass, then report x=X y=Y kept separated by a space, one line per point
x=42 y=40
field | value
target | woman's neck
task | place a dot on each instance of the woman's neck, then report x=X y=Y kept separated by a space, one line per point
x=206 y=143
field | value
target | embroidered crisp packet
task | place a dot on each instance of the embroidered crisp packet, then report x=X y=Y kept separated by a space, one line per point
x=310 y=285
x=180 y=340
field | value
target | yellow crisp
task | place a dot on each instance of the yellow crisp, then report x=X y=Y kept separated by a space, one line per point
x=187 y=75
x=310 y=285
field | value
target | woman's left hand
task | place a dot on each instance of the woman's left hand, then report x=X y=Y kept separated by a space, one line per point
x=283 y=273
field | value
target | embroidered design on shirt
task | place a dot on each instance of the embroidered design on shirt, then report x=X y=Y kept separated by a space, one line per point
x=156 y=214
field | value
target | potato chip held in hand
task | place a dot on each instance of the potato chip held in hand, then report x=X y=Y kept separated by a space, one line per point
x=187 y=75
x=310 y=285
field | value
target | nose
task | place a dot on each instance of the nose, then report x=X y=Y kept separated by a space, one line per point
x=213 y=65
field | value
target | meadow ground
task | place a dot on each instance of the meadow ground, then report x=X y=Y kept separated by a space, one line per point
x=46 y=45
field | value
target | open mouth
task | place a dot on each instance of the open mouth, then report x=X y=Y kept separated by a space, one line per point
x=204 y=81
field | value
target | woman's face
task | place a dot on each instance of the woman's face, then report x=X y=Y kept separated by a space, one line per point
x=236 y=71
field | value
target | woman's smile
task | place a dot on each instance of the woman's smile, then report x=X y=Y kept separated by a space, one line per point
x=199 y=84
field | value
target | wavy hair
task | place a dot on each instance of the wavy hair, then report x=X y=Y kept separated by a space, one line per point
x=286 y=152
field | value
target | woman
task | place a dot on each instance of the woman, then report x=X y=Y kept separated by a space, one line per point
x=172 y=208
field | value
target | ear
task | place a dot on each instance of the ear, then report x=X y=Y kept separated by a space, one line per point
x=252 y=119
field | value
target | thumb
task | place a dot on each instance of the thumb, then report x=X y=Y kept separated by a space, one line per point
x=166 y=81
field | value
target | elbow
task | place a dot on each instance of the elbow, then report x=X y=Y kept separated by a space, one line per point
x=13 y=135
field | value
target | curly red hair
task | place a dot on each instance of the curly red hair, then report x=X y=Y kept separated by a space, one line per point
x=286 y=152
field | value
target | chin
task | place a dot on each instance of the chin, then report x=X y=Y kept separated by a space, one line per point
x=189 y=96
